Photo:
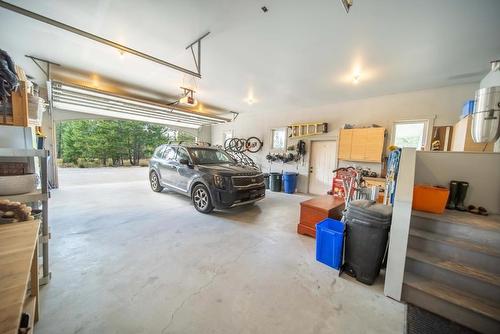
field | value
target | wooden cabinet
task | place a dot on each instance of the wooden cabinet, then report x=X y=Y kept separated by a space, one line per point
x=462 y=138
x=361 y=144
x=345 y=142
x=358 y=145
x=19 y=100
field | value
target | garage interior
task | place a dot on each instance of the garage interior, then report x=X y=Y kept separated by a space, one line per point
x=341 y=172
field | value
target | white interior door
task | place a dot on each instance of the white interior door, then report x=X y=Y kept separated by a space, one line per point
x=323 y=161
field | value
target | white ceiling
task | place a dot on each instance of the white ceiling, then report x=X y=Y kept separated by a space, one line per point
x=298 y=54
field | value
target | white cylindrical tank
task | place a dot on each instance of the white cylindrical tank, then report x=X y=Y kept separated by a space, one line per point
x=486 y=117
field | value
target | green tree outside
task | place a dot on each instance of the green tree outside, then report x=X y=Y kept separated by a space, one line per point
x=113 y=141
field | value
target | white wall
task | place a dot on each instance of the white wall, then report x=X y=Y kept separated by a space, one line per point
x=445 y=103
x=481 y=170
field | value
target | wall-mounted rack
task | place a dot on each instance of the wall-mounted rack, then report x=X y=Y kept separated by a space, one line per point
x=38 y=196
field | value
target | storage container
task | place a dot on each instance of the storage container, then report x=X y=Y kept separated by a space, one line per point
x=275 y=181
x=429 y=198
x=290 y=182
x=367 y=232
x=17 y=184
x=329 y=242
x=468 y=108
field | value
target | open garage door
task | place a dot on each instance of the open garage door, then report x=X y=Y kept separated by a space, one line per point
x=75 y=98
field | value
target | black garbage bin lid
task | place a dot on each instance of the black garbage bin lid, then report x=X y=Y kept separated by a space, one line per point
x=369 y=212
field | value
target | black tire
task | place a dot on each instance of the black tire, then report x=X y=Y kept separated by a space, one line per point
x=227 y=144
x=201 y=199
x=154 y=181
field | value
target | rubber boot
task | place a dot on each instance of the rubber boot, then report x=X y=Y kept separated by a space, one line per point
x=462 y=192
x=452 y=198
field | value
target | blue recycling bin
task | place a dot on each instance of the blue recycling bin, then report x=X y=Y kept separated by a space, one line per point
x=329 y=242
x=289 y=182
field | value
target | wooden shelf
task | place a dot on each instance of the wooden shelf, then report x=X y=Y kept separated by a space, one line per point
x=29 y=197
x=18 y=260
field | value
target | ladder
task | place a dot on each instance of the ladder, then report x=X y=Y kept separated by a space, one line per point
x=307 y=129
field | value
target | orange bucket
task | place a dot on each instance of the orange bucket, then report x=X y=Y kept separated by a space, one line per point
x=429 y=198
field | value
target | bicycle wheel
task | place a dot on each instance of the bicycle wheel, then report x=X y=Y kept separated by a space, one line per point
x=226 y=143
x=240 y=145
x=253 y=144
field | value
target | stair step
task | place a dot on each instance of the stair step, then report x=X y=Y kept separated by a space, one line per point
x=490 y=223
x=456 y=242
x=455 y=267
x=441 y=291
x=464 y=225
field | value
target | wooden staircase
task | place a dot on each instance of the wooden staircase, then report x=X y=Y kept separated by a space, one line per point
x=453 y=268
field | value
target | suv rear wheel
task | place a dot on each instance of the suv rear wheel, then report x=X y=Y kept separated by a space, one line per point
x=155 y=182
x=201 y=199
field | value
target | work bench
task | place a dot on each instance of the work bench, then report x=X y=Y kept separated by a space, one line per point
x=18 y=274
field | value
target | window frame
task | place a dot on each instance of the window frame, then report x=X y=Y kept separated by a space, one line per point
x=164 y=157
x=179 y=149
x=271 y=141
x=426 y=138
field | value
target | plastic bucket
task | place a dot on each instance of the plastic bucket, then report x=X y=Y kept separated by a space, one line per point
x=290 y=182
x=329 y=242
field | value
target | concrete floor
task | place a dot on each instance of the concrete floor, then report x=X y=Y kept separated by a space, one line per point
x=127 y=260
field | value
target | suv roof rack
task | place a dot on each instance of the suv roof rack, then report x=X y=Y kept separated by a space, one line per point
x=192 y=143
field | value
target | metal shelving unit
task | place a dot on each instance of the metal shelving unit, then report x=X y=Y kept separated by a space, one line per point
x=41 y=195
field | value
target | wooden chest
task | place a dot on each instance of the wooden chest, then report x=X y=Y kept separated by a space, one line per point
x=315 y=210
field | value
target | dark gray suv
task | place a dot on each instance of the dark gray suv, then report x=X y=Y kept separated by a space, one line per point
x=208 y=175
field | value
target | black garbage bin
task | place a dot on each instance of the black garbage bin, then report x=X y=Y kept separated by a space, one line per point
x=367 y=231
x=266 y=180
x=275 y=180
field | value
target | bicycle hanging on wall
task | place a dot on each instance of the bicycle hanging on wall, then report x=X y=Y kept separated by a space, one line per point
x=237 y=148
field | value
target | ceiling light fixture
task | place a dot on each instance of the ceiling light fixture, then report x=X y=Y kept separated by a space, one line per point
x=347 y=4
x=356 y=75
x=355 y=78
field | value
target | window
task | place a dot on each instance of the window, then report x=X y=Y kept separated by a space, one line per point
x=227 y=135
x=169 y=154
x=278 y=139
x=410 y=134
x=182 y=154
x=159 y=151
x=209 y=156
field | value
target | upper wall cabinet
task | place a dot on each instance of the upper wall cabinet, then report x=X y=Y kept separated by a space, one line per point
x=361 y=144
